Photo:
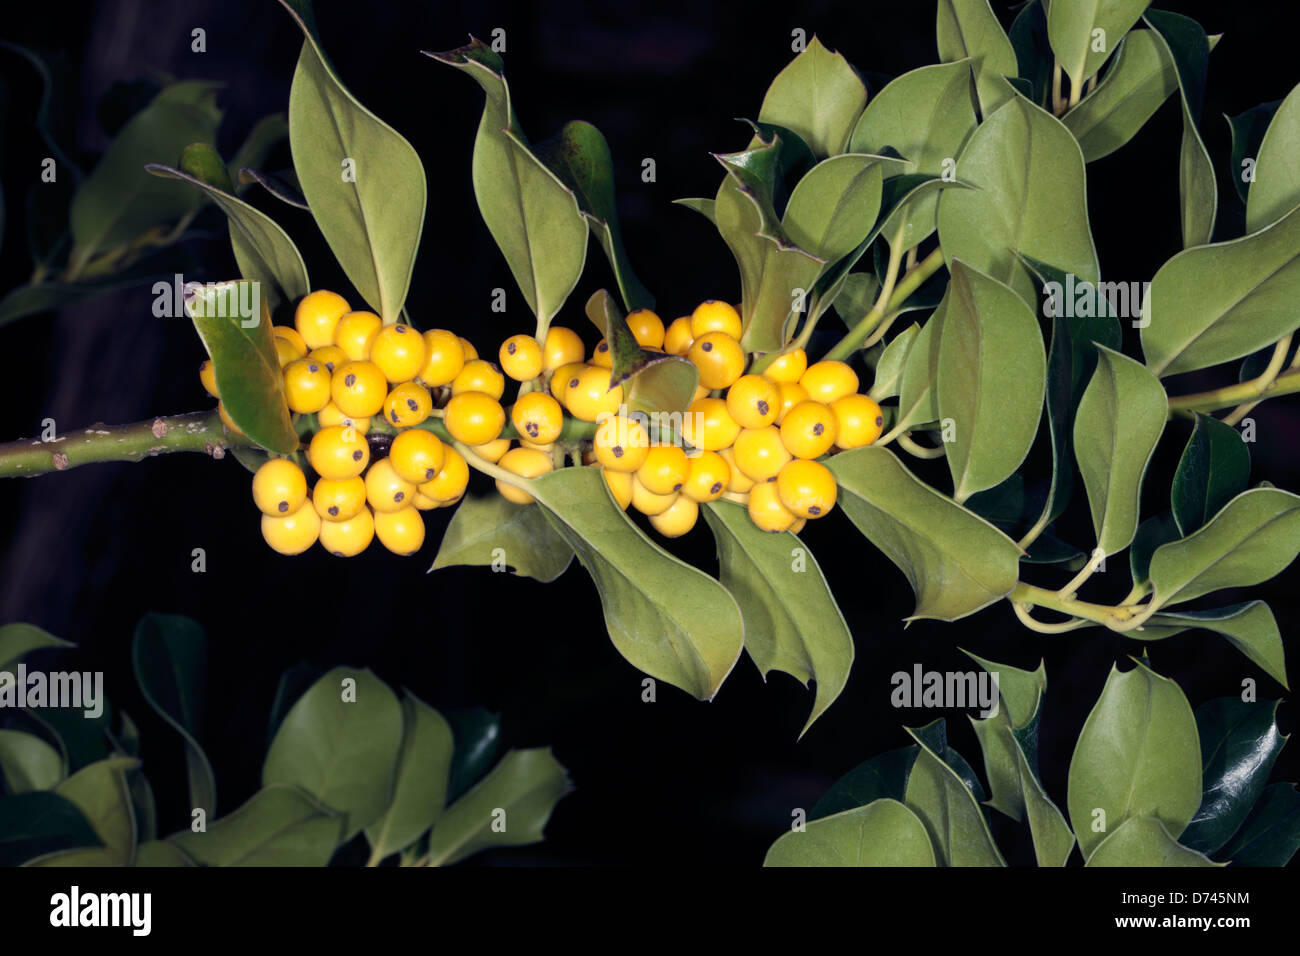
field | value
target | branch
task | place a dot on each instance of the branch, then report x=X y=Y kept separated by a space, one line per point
x=908 y=284
x=1233 y=395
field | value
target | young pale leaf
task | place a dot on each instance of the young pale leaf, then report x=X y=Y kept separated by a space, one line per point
x=280 y=826
x=667 y=618
x=1271 y=834
x=1120 y=419
x=1138 y=753
x=819 y=96
x=1144 y=840
x=882 y=833
x=525 y=786
x=1249 y=627
x=955 y=561
x=19 y=640
x=1214 y=469
x=946 y=806
x=100 y=792
x=1029 y=199
x=486 y=524
x=991 y=380
x=833 y=207
x=28 y=763
x=340 y=743
x=1142 y=77
x=1248 y=130
x=423 y=774
x=1276 y=187
x=1085 y=32
x=889 y=370
x=792 y=623
x=969 y=30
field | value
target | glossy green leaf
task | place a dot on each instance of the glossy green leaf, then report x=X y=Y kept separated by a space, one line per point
x=883 y=776
x=278 y=826
x=1214 y=469
x=665 y=617
x=1120 y=419
x=1142 y=77
x=1138 y=753
x=968 y=29
x=169 y=654
x=423 y=774
x=955 y=561
x=1248 y=130
x=41 y=822
x=340 y=743
x=1028 y=36
x=952 y=817
x=834 y=206
x=534 y=217
x=156 y=853
x=1271 y=834
x=1072 y=28
x=294 y=682
x=19 y=640
x=1029 y=199
x=1249 y=627
x=508 y=807
x=991 y=380
x=792 y=623
x=363 y=180
x=819 y=96
x=1151 y=534
x=889 y=370
x=477 y=735
x=882 y=833
x=28 y=763
x=234 y=322
x=1275 y=190
x=488 y=529
x=100 y=792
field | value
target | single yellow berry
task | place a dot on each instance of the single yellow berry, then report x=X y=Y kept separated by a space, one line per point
x=208 y=376
x=561 y=377
x=719 y=358
x=479 y=375
x=621 y=443
x=647 y=502
x=714 y=315
x=424 y=503
x=359 y=388
x=527 y=463
x=664 y=470
x=809 y=429
x=349 y=537
x=293 y=533
x=386 y=490
x=338 y=452
x=467 y=347
x=788 y=367
x=678 y=337
x=754 y=401
x=792 y=393
x=331 y=414
x=286 y=351
x=331 y=356
x=708 y=425
x=601 y=356
x=290 y=335
x=562 y=347
x=760 y=453
x=407 y=404
x=279 y=487
x=806 y=488
x=678 y=519
x=417 y=455
x=587 y=394
x=339 y=500
x=859 y=418
x=444 y=357
x=492 y=451
x=226 y=419
x=708 y=477
x=647 y=328
x=399 y=351
x=402 y=531
x=620 y=486
x=538 y=418
x=354 y=333
x=521 y=357
x=766 y=510
x=474 y=418
x=317 y=317
x=829 y=380
x=306 y=385
x=451 y=480
x=740 y=482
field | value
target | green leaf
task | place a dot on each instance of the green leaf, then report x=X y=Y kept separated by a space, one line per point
x=82 y=740
x=882 y=833
x=28 y=763
x=265 y=135
x=1143 y=840
x=340 y=743
x=1249 y=627
x=19 y=640
x=955 y=561
x=1254 y=537
x=1029 y=198
x=534 y=217
x=477 y=734
x=117 y=203
x=263 y=251
x=916 y=394
x=1021 y=691
x=1239 y=745
x=508 y=807
x=705 y=207
x=100 y=792
x=889 y=370
x=792 y=623
x=1028 y=35
x=1214 y=469
x=169 y=654
x=1072 y=29
x=1271 y=834
x=423 y=774
x=1120 y=419
x=1137 y=754
x=652 y=381
x=834 y=206
x=157 y=853
x=665 y=617
x=819 y=96
x=1052 y=836
x=1276 y=187
x=278 y=826
x=244 y=360
x=991 y=380
x=483 y=524
x=968 y=29
x=937 y=795
x=580 y=156
x=1151 y=534
x=1248 y=130
x=1142 y=77
x=41 y=822
x=884 y=775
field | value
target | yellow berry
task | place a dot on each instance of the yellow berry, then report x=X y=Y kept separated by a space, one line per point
x=479 y=375
x=601 y=356
x=792 y=393
x=208 y=376
x=548 y=447
x=740 y=482
x=521 y=357
x=408 y=404
x=701 y=391
x=538 y=418
x=788 y=367
x=293 y=533
x=664 y=470
x=286 y=351
x=386 y=490
x=474 y=418
x=398 y=350
x=562 y=347
x=290 y=335
x=587 y=394
x=753 y=401
x=226 y=419
x=647 y=328
x=306 y=385
x=331 y=414
x=359 y=388
x=713 y=315
x=354 y=333
x=561 y=376
x=678 y=337
x=467 y=347
x=859 y=418
x=647 y=502
x=417 y=455
x=621 y=443
x=339 y=499
x=797 y=526
x=444 y=357
x=760 y=453
x=766 y=510
x=451 y=480
x=719 y=358
x=620 y=486
x=708 y=477
x=678 y=519
x=809 y=429
x=402 y=531
x=279 y=487
x=424 y=503
x=317 y=317
x=707 y=425
x=527 y=463
x=331 y=356
x=806 y=488
x=492 y=451
x=348 y=538
x=338 y=452
x=829 y=380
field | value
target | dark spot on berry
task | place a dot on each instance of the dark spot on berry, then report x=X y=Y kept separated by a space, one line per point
x=510 y=348
x=399 y=496
x=618 y=451
x=716 y=488
x=356 y=455
x=350 y=379
x=707 y=346
x=602 y=347
x=815 y=510
x=313 y=367
x=763 y=407
x=412 y=404
x=283 y=506
x=334 y=511
x=880 y=421
x=532 y=429
x=394 y=414
x=773 y=478
x=818 y=428
x=429 y=474
x=573 y=383
x=677 y=487
x=494 y=366
x=399 y=329
x=330 y=366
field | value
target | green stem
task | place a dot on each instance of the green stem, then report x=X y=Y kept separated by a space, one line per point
x=899 y=294
x=1230 y=396
x=1123 y=618
x=919 y=451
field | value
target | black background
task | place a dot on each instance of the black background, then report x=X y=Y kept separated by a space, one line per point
x=674 y=782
